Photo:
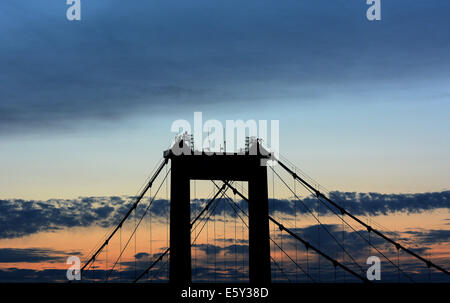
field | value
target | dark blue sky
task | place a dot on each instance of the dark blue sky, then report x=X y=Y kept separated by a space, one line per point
x=362 y=99
x=139 y=56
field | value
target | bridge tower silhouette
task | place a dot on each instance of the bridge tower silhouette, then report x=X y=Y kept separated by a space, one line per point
x=248 y=166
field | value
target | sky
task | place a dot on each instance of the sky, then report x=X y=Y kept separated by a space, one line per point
x=86 y=106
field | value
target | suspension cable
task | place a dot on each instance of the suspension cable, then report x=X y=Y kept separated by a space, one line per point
x=137 y=225
x=362 y=237
x=141 y=195
x=368 y=227
x=307 y=244
x=192 y=224
x=293 y=261
x=281 y=269
x=320 y=223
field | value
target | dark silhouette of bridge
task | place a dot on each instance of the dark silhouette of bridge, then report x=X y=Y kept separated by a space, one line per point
x=248 y=165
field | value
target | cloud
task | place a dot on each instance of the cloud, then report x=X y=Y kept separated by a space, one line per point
x=327 y=237
x=57 y=73
x=33 y=255
x=430 y=237
x=25 y=217
x=160 y=208
x=235 y=265
x=238 y=249
x=30 y=275
x=209 y=249
x=372 y=204
x=376 y=203
x=21 y=217
x=142 y=255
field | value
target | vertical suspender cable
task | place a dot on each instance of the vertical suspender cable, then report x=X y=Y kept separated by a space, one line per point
x=307 y=261
x=120 y=258
x=295 y=226
x=150 y=235
x=207 y=247
x=235 y=243
x=215 y=251
x=195 y=236
x=273 y=210
x=398 y=264
x=343 y=246
x=224 y=231
x=106 y=259
x=135 y=234
x=167 y=219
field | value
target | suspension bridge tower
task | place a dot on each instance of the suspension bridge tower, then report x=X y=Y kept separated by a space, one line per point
x=248 y=166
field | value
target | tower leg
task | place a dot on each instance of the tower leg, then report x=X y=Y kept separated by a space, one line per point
x=259 y=246
x=180 y=229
